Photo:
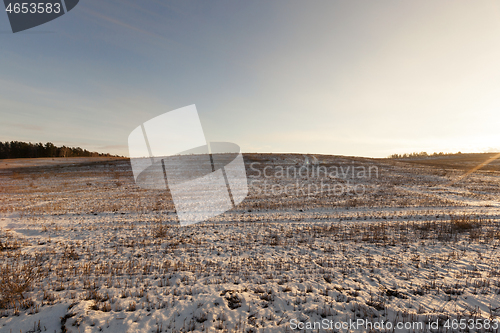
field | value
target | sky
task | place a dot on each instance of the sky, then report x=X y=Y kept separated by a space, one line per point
x=363 y=78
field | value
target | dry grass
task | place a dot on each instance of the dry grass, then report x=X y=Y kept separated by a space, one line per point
x=121 y=248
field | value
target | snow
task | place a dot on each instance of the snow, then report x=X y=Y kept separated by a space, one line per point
x=115 y=259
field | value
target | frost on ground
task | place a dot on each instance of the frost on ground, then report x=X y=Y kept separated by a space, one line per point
x=83 y=249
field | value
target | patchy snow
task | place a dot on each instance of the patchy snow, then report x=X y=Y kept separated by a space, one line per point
x=53 y=161
x=112 y=257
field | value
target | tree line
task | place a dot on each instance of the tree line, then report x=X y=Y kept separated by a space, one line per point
x=16 y=149
x=422 y=154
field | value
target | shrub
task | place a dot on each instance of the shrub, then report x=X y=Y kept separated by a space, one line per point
x=16 y=279
x=131 y=307
x=465 y=223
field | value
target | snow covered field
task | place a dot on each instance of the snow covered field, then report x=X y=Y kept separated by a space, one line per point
x=321 y=244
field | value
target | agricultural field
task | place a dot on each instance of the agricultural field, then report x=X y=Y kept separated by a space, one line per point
x=321 y=242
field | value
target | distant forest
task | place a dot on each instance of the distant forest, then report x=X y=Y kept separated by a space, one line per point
x=16 y=149
x=423 y=154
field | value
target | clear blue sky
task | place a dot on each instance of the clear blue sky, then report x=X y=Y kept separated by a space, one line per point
x=367 y=78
